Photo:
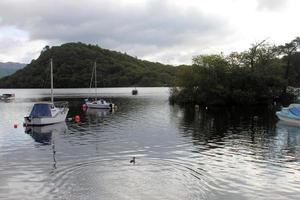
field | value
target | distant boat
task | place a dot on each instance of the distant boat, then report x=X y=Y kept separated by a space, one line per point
x=97 y=103
x=290 y=115
x=46 y=113
x=7 y=97
x=134 y=91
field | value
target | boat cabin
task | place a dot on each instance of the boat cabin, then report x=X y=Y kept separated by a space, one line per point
x=41 y=110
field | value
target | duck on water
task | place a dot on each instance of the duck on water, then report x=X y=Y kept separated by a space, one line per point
x=132 y=160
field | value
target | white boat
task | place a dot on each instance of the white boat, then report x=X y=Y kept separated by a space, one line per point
x=6 y=97
x=46 y=113
x=97 y=103
x=290 y=114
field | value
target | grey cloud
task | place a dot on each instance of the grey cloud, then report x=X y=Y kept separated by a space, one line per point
x=272 y=5
x=112 y=24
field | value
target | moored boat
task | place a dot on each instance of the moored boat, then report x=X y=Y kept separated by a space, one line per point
x=290 y=114
x=97 y=103
x=100 y=104
x=7 y=97
x=46 y=113
x=134 y=91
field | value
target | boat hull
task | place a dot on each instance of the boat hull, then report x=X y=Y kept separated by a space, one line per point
x=42 y=121
x=288 y=117
x=99 y=105
x=289 y=120
x=7 y=97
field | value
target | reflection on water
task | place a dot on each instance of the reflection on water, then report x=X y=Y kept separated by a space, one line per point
x=289 y=141
x=99 y=112
x=43 y=134
x=181 y=153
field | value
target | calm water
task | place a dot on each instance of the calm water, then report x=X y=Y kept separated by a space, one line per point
x=180 y=153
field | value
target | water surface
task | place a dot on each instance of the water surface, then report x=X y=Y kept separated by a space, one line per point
x=213 y=153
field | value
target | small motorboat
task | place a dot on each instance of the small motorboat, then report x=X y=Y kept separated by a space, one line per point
x=6 y=97
x=290 y=114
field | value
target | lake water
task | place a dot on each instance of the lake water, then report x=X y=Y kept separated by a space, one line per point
x=181 y=153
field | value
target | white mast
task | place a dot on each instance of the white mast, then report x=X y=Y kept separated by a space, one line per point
x=95 y=81
x=51 y=69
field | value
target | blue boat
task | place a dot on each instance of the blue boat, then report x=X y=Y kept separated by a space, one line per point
x=290 y=114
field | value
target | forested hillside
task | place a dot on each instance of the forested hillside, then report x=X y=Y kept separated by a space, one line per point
x=73 y=64
x=259 y=75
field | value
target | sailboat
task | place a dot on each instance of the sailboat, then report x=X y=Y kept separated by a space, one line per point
x=98 y=103
x=46 y=113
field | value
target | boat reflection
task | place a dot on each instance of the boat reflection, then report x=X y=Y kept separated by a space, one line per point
x=289 y=123
x=43 y=134
x=6 y=100
x=288 y=139
x=99 y=112
x=284 y=127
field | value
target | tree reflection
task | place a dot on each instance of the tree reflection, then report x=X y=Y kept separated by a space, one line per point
x=252 y=129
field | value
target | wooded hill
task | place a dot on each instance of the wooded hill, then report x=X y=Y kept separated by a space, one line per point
x=259 y=75
x=73 y=65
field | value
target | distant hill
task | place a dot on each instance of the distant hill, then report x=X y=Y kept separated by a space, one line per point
x=73 y=63
x=9 y=68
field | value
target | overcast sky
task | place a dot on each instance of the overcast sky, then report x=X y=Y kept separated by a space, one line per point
x=168 y=31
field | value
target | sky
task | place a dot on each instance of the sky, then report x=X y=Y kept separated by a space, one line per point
x=167 y=31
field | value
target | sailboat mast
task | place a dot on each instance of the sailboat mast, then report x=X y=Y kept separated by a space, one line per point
x=95 y=81
x=51 y=69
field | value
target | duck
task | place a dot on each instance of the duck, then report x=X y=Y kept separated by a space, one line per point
x=133 y=160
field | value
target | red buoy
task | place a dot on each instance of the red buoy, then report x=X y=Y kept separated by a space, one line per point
x=84 y=107
x=77 y=118
x=15 y=125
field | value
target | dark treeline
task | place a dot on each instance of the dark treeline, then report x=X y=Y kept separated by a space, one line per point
x=73 y=64
x=259 y=75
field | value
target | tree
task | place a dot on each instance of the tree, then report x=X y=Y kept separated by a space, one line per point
x=251 y=77
x=288 y=50
x=251 y=56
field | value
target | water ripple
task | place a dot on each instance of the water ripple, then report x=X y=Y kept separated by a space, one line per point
x=180 y=153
